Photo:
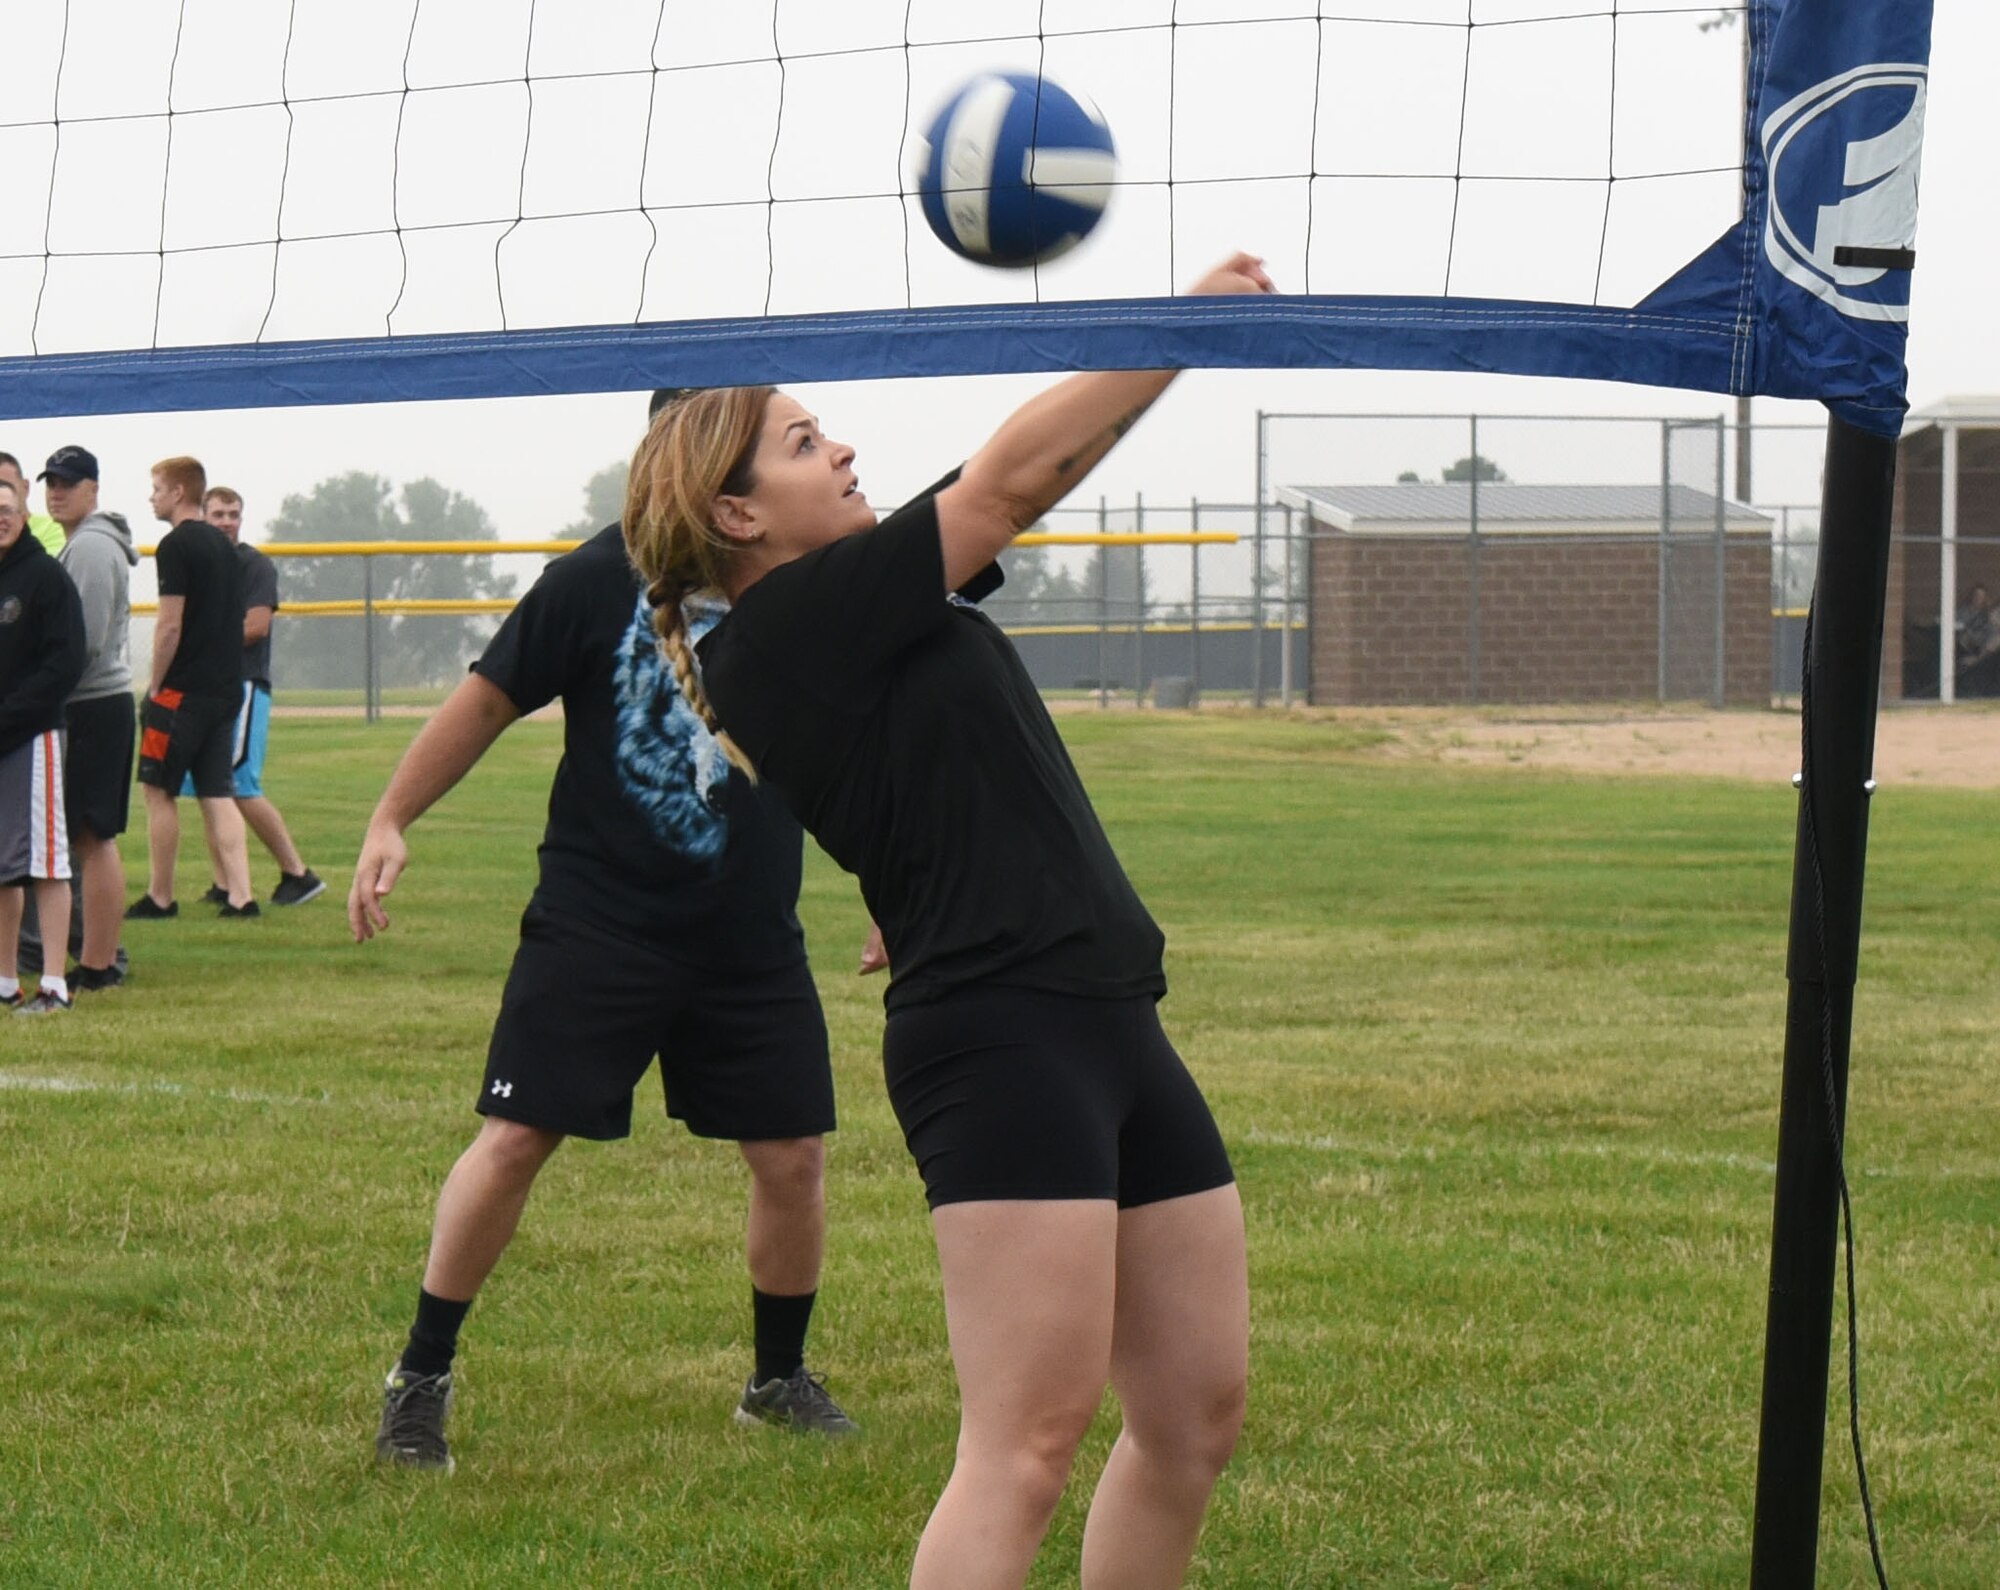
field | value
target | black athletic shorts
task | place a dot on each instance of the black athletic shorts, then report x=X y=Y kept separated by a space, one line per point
x=97 y=764
x=181 y=734
x=743 y=1056
x=1008 y=1093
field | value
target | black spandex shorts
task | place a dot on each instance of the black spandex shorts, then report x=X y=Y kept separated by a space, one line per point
x=743 y=1055
x=181 y=735
x=1010 y=1093
x=97 y=764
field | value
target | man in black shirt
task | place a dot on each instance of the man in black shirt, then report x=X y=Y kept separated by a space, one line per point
x=251 y=736
x=188 y=722
x=664 y=922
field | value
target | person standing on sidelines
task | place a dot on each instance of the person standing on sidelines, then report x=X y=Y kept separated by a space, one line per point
x=664 y=923
x=188 y=721
x=1083 y=1204
x=297 y=883
x=100 y=722
x=41 y=658
x=42 y=527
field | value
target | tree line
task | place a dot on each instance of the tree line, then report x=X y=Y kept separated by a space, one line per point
x=412 y=649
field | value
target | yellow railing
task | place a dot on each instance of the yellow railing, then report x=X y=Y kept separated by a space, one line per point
x=367 y=605
x=357 y=606
x=352 y=607
x=411 y=549
x=1219 y=626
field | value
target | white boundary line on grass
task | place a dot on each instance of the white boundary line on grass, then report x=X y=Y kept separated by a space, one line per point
x=1430 y=1153
x=1677 y=1158
x=22 y=1082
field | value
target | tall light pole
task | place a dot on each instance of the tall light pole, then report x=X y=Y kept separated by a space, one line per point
x=1721 y=20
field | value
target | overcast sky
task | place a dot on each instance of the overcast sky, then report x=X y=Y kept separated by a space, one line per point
x=525 y=460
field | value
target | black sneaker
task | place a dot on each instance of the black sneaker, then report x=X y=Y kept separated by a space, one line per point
x=147 y=909
x=217 y=895
x=13 y=1001
x=89 y=979
x=800 y=1403
x=247 y=908
x=45 y=1003
x=308 y=885
x=414 y=1408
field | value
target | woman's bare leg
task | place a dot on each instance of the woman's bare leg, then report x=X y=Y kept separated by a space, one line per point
x=1028 y=1293
x=1179 y=1363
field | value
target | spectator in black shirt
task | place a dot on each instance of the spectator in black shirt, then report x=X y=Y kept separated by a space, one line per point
x=1086 y=1217
x=188 y=721
x=664 y=923
x=251 y=735
x=41 y=659
x=1977 y=626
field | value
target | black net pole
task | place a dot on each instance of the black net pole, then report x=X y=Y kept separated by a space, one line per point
x=1843 y=673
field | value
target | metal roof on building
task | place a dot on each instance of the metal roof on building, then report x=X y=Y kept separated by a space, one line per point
x=1973 y=413
x=1446 y=507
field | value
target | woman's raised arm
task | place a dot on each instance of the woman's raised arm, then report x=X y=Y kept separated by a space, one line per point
x=1045 y=448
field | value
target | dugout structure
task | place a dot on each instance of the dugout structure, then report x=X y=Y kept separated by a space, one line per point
x=1443 y=593
x=1947 y=542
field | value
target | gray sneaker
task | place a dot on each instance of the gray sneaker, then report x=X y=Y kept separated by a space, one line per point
x=45 y=1003
x=414 y=1408
x=308 y=885
x=800 y=1403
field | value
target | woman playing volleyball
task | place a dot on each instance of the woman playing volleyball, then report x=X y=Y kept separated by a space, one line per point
x=1087 y=1221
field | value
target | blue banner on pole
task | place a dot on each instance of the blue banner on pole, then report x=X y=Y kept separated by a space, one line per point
x=1816 y=276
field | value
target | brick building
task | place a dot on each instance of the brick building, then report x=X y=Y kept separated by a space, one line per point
x=1565 y=593
x=1945 y=544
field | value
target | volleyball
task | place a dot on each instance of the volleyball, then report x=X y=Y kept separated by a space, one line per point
x=1014 y=169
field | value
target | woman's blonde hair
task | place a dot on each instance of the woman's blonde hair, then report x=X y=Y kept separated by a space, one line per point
x=698 y=447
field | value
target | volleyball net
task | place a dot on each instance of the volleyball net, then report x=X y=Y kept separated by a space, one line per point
x=224 y=204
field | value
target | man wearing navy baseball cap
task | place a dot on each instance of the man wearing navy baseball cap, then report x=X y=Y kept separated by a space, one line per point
x=102 y=725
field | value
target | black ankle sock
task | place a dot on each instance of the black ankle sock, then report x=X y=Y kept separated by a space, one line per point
x=780 y=1324
x=434 y=1337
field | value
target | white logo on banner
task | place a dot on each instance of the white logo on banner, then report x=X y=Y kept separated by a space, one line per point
x=1874 y=205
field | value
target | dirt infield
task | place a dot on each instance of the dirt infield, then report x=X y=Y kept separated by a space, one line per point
x=1949 y=747
x=1957 y=747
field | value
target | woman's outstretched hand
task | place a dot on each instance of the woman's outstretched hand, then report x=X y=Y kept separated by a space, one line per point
x=1240 y=273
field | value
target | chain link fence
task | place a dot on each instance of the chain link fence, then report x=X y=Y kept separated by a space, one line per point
x=1405 y=559
x=1165 y=625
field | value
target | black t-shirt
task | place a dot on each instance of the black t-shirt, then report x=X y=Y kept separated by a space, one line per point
x=260 y=589
x=915 y=748
x=651 y=831
x=197 y=563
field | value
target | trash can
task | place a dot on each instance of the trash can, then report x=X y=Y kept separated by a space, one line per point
x=1173 y=690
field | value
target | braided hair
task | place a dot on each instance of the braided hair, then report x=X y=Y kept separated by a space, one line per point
x=701 y=445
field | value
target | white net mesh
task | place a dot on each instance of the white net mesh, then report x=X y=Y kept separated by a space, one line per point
x=225 y=172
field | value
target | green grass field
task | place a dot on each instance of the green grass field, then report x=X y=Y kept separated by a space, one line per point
x=1497 y=1055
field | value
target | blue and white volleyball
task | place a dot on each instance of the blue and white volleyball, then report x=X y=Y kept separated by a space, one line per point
x=1014 y=169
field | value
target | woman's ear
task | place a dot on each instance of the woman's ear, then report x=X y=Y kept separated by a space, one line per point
x=737 y=520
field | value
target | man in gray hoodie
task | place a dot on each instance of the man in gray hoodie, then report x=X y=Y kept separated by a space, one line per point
x=100 y=716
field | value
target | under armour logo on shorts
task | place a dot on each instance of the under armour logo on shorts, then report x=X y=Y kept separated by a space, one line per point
x=503 y=1090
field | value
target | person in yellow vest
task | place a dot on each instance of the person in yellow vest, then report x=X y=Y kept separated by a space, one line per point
x=40 y=525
